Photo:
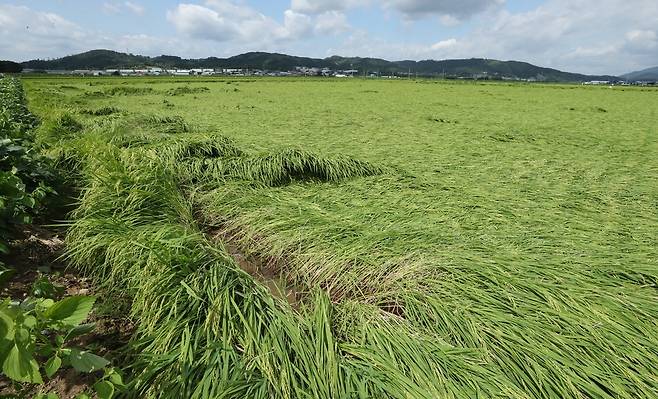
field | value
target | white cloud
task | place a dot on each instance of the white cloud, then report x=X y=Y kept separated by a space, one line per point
x=134 y=7
x=568 y=34
x=562 y=34
x=449 y=20
x=224 y=21
x=456 y=9
x=297 y=25
x=239 y=24
x=641 y=36
x=444 y=44
x=451 y=10
x=197 y=21
x=26 y=33
x=614 y=37
x=331 y=22
x=118 y=8
x=111 y=8
x=642 y=39
x=320 y=6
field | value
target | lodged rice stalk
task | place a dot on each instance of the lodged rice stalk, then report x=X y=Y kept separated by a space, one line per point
x=208 y=330
x=370 y=325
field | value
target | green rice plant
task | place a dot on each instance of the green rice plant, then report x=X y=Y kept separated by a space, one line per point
x=62 y=127
x=102 y=111
x=284 y=166
x=218 y=160
x=207 y=328
x=167 y=124
x=183 y=90
x=510 y=255
x=128 y=91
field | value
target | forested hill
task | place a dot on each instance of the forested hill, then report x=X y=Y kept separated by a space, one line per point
x=646 y=74
x=104 y=59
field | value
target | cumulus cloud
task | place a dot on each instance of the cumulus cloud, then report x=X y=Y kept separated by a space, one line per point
x=134 y=7
x=563 y=34
x=118 y=7
x=321 y=6
x=614 y=37
x=567 y=34
x=450 y=10
x=296 y=24
x=642 y=39
x=444 y=44
x=111 y=8
x=26 y=33
x=226 y=21
x=457 y=9
x=331 y=22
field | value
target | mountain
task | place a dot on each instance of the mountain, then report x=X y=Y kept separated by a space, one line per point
x=475 y=67
x=645 y=74
x=10 y=67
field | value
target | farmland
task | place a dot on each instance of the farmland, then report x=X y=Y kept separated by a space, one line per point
x=303 y=238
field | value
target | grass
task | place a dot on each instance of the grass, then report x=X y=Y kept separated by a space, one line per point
x=449 y=240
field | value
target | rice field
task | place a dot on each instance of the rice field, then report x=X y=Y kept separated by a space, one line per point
x=303 y=238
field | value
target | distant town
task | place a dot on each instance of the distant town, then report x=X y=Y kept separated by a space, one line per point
x=301 y=71
x=157 y=71
x=101 y=62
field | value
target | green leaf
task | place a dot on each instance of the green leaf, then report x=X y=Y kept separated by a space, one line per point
x=86 y=362
x=51 y=395
x=22 y=336
x=45 y=349
x=71 y=311
x=104 y=389
x=30 y=322
x=20 y=366
x=6 y=274
x=80 y=330
x=114 y=377
x=43 y=304
x=5 y=346
x=44 y=288
x=7 y=326
x=52 y=365
x=29 y=202
x=82 y=396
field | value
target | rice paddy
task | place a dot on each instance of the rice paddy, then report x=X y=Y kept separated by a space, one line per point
x=301 y=238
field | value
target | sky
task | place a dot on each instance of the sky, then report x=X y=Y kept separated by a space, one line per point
x=586 y=36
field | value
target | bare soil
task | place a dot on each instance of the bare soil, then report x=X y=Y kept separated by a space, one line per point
x=38 y=252
x=264 y=270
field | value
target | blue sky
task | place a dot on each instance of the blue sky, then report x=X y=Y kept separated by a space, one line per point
x=605 y=36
